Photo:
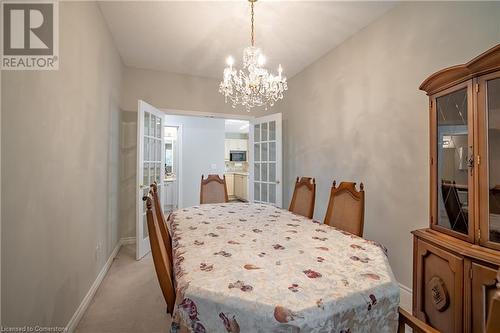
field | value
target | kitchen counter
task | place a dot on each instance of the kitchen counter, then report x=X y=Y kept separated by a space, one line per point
x=237 y=173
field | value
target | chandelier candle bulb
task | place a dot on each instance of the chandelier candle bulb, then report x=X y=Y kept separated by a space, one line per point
x=252 y=86
x=262 y=60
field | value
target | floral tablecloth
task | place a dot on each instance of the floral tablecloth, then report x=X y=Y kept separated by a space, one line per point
x=255 y=268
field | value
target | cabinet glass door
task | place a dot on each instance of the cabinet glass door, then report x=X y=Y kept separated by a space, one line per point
x=489 y=181
x=453 y=168
x=493 y=105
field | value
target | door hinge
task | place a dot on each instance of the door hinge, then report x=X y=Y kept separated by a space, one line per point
x=478 y=159
x=432 y=160
x=430 y=103
x=478 y=235
x=477 y=87
x=432 y=220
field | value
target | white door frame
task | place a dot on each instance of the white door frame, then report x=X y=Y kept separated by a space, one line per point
x=176 y=112
x=180 y=203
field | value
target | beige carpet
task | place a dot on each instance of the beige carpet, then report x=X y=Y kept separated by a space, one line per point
x=129 y=299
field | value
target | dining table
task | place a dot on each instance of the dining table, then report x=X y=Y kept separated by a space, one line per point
x=251 y=267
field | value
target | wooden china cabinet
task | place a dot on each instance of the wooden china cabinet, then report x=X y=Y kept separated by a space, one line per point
x=456 y=259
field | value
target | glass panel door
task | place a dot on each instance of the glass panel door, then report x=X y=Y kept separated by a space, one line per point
x=150 y=157
x=493 y=114
x=489 y=152
x=265 y=160
x=454 y=151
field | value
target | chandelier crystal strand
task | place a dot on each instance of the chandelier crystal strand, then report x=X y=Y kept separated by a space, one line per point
x=252 y=86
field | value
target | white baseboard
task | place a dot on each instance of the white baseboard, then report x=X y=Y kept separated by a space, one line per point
x=405 y=298
x=127 y=240
x=77 y=316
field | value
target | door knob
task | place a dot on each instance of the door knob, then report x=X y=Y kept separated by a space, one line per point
x=277 y=182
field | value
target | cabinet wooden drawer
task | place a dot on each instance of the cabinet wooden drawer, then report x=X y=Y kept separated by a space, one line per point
x=482 y=282
x=439 y=287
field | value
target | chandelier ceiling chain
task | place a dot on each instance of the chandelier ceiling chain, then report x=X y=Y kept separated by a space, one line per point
x=252 y=86
x=253 y=33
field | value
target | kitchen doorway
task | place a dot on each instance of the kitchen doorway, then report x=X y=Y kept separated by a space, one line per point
x=172 y=168
x=252 y=165
x=236 y=156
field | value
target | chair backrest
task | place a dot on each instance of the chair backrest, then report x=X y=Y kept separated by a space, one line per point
x=458 y=218
x=161 y=221
x=346 y=208
x=160 y=257
x=418 y=326
x=213 y=190
x=493 y=319
x=304 y=196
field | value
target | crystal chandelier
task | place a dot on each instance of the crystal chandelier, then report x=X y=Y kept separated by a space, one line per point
x=253 y=86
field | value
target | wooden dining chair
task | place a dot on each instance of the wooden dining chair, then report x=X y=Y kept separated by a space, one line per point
x=162 y=221
x=346 y=208
x=161 y=261
x=417 y=325
x=213 y=189
x=304 y=196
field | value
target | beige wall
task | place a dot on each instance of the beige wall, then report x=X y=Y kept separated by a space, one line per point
x=128 y=173
x=357 y=114
x=60 y=173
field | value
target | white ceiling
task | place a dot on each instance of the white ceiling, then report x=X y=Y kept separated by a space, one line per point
x=195 y=37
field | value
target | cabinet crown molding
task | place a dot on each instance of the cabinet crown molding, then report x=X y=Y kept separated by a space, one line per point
x=486 y=62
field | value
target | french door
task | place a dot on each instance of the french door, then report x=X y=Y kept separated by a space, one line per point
x=266 y=160
x=150 y=167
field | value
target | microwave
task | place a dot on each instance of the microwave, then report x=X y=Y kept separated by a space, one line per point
x=238 y=156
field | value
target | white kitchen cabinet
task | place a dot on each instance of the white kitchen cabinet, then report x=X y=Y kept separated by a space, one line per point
x=240 y=144
x=230 y=184
x=244 y=195
x=240 y=186
x=237 y=186
x=170 y=193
